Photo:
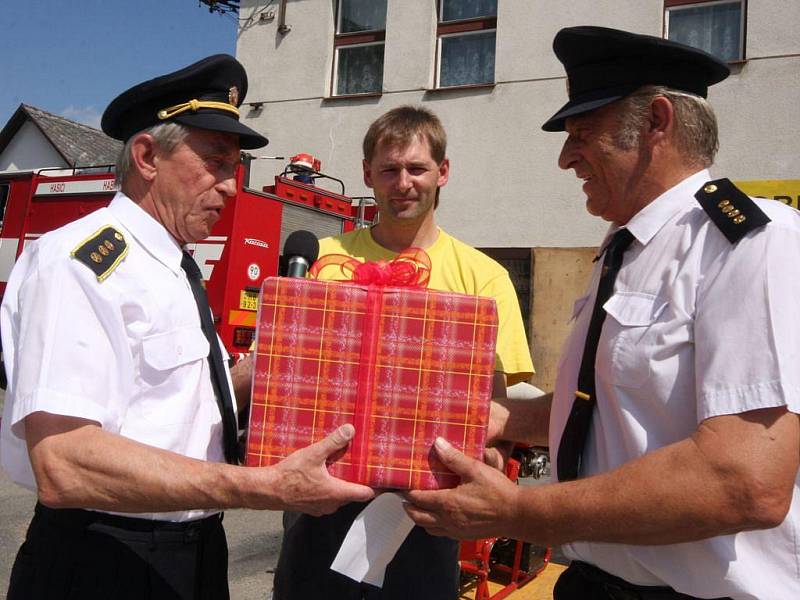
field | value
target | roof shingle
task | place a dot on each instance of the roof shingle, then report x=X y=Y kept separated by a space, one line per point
x=79 y=144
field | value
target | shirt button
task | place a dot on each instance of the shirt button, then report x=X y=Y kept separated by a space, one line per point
x=180 y=350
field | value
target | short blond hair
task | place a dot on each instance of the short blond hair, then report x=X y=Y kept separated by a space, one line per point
x=401 y=125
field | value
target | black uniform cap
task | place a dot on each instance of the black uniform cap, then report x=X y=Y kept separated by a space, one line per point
x=604 y=65
x=205 y=94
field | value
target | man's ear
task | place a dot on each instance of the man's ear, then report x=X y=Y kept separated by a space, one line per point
x=661 y=118
x=144 y=154
x=367 y=173
x=444 y=172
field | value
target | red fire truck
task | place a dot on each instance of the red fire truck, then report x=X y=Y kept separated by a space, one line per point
x=243 y=248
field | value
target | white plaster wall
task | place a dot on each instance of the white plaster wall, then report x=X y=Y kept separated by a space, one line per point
x=759 y=120
x=525 y=30
x=505 y=189
x=287 y=66
x=410 y=46
x=29 y=149
x=773 y=28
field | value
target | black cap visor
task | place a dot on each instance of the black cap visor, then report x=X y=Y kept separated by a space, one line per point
x=248 y=138
x=587 y=102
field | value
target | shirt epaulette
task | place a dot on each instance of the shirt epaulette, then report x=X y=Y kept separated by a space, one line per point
x=102 y=252
x=733 y=211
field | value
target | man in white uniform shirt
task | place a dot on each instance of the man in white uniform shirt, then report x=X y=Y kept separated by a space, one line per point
x=674 y=421
x=119 y=410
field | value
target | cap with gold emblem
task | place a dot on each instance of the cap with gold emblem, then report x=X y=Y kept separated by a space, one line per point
x=604 y=65
x=206 y=94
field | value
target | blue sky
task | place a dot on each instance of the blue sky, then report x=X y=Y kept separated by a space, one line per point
x=72 y=57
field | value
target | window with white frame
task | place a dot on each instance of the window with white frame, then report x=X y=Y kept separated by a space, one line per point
x=716 y=26
x=358 y=45
x=466 y=35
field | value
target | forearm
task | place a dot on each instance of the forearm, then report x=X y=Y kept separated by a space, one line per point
x=89 y=468
x=77 y=464
x=686 y=491
x=734 y=473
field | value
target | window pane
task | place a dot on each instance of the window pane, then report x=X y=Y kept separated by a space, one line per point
x=456 y=10
x=361 y=15
x=359 y=70
x=467 y=59
x=715 y=28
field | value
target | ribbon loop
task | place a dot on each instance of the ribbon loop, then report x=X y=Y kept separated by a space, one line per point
x=410 y=268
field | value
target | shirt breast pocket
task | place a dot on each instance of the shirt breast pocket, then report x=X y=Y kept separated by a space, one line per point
x=172 y=363
x=631 y=333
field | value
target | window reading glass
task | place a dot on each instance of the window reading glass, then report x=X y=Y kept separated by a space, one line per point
x=459 y=10
x=361 y=15
x=467 y=36
x=716 y=27
x=467 y=59
x=359 y=69
x=359 y=45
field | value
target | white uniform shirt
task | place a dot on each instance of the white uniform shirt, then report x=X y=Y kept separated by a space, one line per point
x=697 y=327
x=128 y=352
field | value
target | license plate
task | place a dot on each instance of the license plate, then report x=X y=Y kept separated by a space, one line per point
x=248 y=300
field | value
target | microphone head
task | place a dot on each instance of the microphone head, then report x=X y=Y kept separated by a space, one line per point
x=301 y=243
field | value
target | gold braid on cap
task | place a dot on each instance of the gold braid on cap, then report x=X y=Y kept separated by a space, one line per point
x=194 y=105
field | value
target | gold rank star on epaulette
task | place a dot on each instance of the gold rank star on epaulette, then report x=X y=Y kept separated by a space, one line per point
x=731 y=210
x=102 y=252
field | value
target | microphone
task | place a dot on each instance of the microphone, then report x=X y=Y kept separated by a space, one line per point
x=300 y=250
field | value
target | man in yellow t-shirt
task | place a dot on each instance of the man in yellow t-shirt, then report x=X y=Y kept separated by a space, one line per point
x=405 y=165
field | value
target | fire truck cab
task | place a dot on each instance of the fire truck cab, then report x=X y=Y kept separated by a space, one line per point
x=243 y=248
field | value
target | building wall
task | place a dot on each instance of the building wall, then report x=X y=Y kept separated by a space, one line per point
x=506 y=189
x=28 y=150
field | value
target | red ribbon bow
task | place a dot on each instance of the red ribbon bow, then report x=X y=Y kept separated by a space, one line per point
x=410 y=268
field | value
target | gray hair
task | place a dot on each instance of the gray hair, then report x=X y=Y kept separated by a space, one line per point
x=166 y=136
x=696 y=132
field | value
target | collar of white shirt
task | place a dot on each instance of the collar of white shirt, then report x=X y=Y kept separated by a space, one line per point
x=148 y=232
x=648 y=222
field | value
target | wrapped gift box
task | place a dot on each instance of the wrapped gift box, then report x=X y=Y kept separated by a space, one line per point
x=403 y=365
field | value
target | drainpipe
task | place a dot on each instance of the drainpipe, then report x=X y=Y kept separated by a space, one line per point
x=282 y=26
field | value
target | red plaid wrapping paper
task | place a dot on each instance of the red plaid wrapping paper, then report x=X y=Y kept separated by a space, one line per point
x=404 y=365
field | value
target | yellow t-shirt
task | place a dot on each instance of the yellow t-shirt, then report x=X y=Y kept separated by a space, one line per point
x=456 y=267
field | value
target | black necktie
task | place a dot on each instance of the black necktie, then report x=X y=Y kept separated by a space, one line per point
x=218 y=377
x=576 y=430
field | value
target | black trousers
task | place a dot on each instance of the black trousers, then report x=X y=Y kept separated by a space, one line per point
x=80 y=554
x=582 y=581
x=424 y=568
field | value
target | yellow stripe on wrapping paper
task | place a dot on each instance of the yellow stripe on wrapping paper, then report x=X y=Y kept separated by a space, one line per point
x=322 y=338
x=381 y=365
x=368 y=468
x=425 y=319
x=419 y=387
x=469 y=375
x=384 y=417
x=269 y=370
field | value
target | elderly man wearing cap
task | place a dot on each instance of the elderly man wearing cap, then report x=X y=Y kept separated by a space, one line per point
x=674 y=419
x=119 y=409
